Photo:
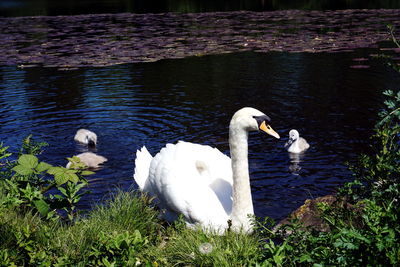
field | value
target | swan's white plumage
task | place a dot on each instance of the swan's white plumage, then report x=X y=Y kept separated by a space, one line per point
x=142 y=165
x=204 y=169
x=197 y=181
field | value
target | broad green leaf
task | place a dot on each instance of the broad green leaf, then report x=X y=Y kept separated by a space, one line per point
x=63 y=191
x=61 y=178
x=43 y=166
x=55 y=170
x=29 y=161
x=42 y=206
x=87 y=173
x=80 y=186
x=59 y=196
x=22 y=170
x=77 y=159
x=74 y=159
x=73 y=178
x=70 y=171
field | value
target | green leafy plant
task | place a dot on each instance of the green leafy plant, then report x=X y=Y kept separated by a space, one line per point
x=5 y=258
x=27 y=182
x=31 y=146
x=3 y=151
x=70 y=196
x=117 y=249
x=378 y=175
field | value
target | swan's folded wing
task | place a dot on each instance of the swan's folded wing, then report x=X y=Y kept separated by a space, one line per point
x=142 y=166
x=189 y=179
x=303 y=144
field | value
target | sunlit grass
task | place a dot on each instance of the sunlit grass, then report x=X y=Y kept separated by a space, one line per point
x=196 y=248
x=126 y=212
x=167 y=246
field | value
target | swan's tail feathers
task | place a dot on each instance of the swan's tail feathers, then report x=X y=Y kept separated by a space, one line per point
x=142 y=166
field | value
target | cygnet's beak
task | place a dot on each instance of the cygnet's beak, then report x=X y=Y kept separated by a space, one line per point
x=91 y=143
x=289 y=142
x=268 y=129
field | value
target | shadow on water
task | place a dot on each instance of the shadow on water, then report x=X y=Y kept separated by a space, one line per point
x=192 y=99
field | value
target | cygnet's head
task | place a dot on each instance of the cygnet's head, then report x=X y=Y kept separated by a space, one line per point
x=86 y=137
x=91 y=140
x=293 y=135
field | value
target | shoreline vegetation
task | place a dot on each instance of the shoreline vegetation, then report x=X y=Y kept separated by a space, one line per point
x=40 y=225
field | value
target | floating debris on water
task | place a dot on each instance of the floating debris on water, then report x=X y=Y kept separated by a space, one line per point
x=109 y=39
x=360 y=59
x=360 y=66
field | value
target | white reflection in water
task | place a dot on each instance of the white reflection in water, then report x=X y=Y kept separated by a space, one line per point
x=295 y=160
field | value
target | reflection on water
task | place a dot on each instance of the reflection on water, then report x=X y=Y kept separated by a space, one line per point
x=295 y=160
x=193 y=99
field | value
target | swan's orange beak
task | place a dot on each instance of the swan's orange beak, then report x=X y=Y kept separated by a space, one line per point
x=268 y=129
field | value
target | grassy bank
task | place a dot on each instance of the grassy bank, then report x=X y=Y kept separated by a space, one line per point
x=125 y=231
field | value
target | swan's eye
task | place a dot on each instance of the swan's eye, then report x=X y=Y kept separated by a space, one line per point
x=261 y=119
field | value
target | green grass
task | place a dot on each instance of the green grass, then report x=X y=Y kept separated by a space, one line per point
x=121 y=218
x=183 y=246
x=125 y=213
x=164 y=246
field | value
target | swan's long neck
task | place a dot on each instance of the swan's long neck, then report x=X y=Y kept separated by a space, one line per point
x=242 y=205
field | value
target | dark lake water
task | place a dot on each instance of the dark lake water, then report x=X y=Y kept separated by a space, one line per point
x=333 y=105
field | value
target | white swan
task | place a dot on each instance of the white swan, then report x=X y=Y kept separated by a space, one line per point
x=86 y=137
x=200 y=182
x=296 y=144
x=91 y=160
